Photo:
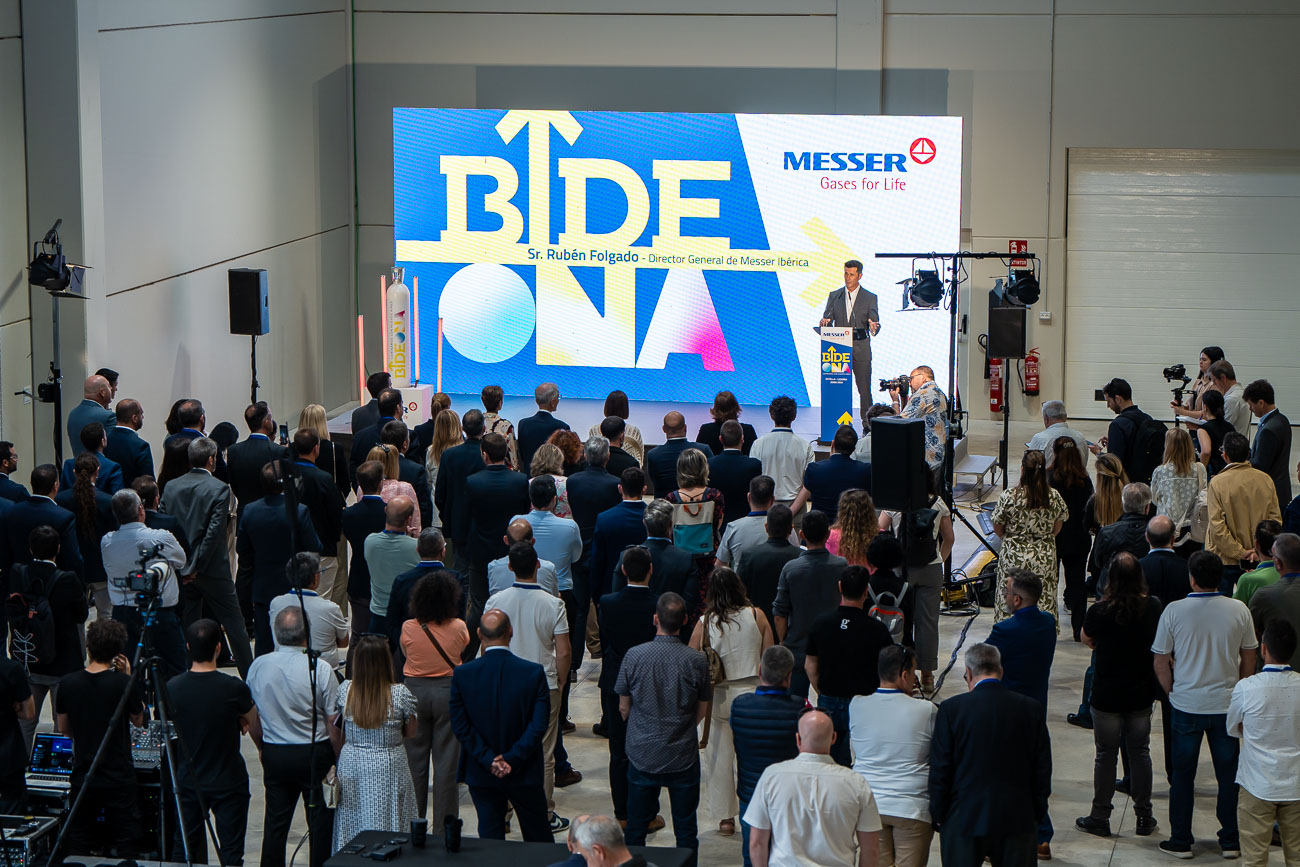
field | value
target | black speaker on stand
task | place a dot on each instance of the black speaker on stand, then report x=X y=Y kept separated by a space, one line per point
x=250 y=310
x=1008 y=324
x=898 y=464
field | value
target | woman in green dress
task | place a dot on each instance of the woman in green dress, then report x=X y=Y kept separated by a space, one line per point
x=1027 y=519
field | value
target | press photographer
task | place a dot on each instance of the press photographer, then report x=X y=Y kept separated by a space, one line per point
x=930 y=405
x=141 y=565
x=1189 y=403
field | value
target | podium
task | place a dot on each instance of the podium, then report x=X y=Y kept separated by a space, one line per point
x=836 y=379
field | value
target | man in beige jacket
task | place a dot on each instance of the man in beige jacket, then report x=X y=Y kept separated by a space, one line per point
x=1239 y=497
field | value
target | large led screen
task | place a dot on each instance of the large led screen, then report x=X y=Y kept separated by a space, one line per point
x=669 y=255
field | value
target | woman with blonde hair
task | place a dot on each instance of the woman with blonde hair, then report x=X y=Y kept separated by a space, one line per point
x=856 y=524
x=1027 y=519
x=738 y=633
x=690 y=510
x=548 y=460
x=446 y=433
x=1178 y=481
x=616 y=404
x=331 y=458
x=393 y=486
x=1105 y=505
x=373 y=715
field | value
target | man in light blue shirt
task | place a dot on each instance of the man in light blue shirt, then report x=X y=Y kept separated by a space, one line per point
x=1054 y=425
x=555 y=539
x=499 y=575
x=389 y=553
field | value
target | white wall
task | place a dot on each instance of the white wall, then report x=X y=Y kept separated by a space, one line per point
x=212 y=135
x=15 y=328
x=1031 y=78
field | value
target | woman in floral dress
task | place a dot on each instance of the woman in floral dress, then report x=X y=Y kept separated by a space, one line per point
x=1027 y=518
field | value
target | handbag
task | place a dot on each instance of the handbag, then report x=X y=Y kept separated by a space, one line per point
x=717 y=669
x=332 y=788
x=438 y=647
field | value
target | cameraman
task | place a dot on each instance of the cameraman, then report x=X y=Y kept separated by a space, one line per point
x=930 y=405
x=122 y=549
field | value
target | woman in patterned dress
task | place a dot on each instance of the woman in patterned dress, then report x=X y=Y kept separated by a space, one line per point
x=1177 y=482
x=373 y=771
x=1027 y=518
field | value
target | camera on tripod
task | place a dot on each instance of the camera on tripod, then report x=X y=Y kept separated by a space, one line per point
x=149 y=578
x=1177 y=372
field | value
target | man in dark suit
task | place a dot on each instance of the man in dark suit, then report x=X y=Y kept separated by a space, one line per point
x=613 y=428
x=247 y=458
x=194 y=421
x=851 y=306
x=731 y=471
x=24 y=516
x=616 y=528
x=627 y=618
x=97 y=394
x=1167 y=580
x=458 y=464
x=201 y=502
x=1271 y=451
x=534 y=430
x=9 y=489
x=93 y=440
x=990 y=769
x=361 y=519
x=265 y=543
x=760 y=567
x=430 y=546
x=674 y=569
x=125 y=446
x=397 y=435
x=661 y=461
x=493 y=496
x=367 y=414
x=390 y=409
x=317 y=491
x=500 y=706
x=591 y=490
x=824 y=481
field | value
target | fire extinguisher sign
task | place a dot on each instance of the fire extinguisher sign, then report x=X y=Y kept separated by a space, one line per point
x=1014 y=247
x=995 y=384
x=1031 y=372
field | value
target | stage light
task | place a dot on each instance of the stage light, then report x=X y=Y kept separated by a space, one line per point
x=924 y=290
x=1022 y=288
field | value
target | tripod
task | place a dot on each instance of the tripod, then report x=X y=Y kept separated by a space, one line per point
x=146 y=667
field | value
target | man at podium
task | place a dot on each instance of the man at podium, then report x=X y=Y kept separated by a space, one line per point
x=851 y=306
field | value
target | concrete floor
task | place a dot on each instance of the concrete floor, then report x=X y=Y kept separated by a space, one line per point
x=1072 y=748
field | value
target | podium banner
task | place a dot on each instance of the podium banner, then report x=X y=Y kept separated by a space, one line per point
x=837 y=380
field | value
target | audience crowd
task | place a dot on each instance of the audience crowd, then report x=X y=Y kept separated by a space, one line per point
x=767 y=638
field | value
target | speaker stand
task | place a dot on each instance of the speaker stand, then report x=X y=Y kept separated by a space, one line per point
x=1006 y=422
x=253 y=362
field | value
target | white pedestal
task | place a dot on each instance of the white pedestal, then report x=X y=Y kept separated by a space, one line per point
x=416 y=400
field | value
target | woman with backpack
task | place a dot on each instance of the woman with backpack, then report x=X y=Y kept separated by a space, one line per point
x=927 y=539
x=1027 y=519
x=697 y=516
x=733 y=635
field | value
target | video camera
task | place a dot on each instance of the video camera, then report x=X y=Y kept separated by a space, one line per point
x=1177 y=373
x=149 y=578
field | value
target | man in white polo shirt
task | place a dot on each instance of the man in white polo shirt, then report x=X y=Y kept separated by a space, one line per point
x=1265 y=715
x=891 y=734
x=1203 y=646
x=809 y=810
x=541 y=635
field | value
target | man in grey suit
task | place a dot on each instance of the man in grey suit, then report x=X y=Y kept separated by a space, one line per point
x=93 y=407
x=201 y=502
x=1271 y=451
x=851 y=306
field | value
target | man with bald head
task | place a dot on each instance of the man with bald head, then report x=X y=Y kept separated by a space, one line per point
x=537 y=428
x=661 y=461
x=1164 y=571
x=93 y=407
x=499 y=575
x=810 y=810
x=500 y=707
x=125 y=445
x=389 y=553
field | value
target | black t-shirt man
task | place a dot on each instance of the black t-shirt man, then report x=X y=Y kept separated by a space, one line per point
x=89 y=700
x=847 y=643
x=14 y=690
x=206 y=707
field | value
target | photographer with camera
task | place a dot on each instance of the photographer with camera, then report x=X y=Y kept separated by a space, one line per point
x=1224 y=380
x=927 y=403
x=1187 y=400
x=141 y=563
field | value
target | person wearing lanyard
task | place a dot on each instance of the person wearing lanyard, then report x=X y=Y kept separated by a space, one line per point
x=1204 y=644
x=122 y=549
x=326 y=626
x=1264 y=714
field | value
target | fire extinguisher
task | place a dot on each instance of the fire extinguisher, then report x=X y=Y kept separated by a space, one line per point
x=1031 y=372
x=996 y=368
